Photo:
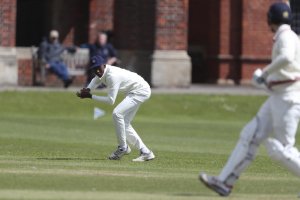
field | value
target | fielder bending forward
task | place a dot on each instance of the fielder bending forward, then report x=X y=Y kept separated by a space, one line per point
x=137 y=91
x=275 y=124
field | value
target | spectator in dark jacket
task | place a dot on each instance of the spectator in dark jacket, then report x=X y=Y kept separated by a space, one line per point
x=103 y=48
x=50 y=51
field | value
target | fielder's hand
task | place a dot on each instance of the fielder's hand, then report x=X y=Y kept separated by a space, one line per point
x=84 y=93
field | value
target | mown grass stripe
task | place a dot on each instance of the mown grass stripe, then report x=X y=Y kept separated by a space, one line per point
x=95 y=195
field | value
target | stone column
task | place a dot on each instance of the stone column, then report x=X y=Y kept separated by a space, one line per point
x=171 y=65
x=8 y=66
x=8 y=55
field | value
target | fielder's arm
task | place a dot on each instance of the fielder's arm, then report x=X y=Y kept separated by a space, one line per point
x=110 y=98
x=95 y=82
x=287 y=54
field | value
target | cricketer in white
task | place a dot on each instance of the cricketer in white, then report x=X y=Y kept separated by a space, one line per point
x=136 y=90
x=275 y=124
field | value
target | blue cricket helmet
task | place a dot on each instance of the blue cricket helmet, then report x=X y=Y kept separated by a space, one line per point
x=279 y=13
x=96 y=61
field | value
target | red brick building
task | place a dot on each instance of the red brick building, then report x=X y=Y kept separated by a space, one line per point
x=225 y=39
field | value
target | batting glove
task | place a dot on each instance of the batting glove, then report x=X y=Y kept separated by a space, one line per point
x=257 y=77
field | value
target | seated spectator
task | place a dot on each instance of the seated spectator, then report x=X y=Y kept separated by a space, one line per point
x=103 y=48
x=50 y=51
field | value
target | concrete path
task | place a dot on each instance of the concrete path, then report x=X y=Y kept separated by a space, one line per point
x=212 y=89
x=193 y=89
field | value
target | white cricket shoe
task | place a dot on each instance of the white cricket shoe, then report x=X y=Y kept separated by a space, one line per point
x=144 y=157
x=215 y=184
x=117 y=155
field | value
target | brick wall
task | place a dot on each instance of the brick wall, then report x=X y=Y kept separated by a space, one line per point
x=234 y=33
x=232 y=36
x=7 y=22
x=171 y=24
x=257 y=39
x=100 y=17
x=224 y=34
x=25 y=77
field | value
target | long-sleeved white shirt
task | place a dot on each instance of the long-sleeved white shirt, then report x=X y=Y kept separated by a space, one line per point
x=117 y=79
x=285 y=63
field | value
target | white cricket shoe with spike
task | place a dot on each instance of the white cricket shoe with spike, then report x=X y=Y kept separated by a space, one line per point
x=119 y=153
x=144 y=157
x=215 y=184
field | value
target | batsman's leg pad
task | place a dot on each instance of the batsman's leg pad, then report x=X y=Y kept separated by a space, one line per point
x=243 y=154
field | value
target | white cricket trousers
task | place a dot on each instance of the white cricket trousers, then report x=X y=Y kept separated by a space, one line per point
x=123 y=114
x=275 y=125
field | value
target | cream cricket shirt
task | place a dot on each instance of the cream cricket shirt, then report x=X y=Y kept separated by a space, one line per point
x=285 y=63
x=117 y=79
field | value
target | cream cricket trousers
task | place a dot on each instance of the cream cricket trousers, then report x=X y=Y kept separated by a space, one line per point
x=275 y=125
x=123 y=114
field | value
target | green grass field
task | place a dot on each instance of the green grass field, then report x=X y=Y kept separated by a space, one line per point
x=51 y=148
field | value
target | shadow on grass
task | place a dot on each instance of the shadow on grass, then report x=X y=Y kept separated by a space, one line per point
x=64 y=159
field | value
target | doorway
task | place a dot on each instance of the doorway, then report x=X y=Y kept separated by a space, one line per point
x=203 y=38
x=35 y=18
x=31 y=21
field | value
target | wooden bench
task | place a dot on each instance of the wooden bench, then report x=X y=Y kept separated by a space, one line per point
x=76 y=62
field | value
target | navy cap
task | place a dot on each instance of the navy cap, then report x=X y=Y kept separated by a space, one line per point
x=97 y=61
x=280 y=13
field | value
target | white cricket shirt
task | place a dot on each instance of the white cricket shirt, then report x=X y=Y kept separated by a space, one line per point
x=117 y=79
x=285 y=63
